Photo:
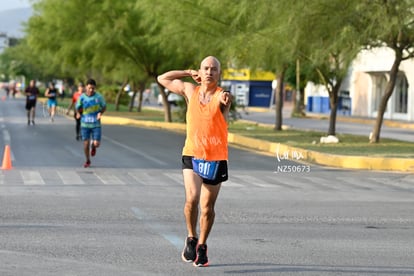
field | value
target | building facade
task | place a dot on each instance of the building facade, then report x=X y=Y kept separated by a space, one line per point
x=250 y=88
x=364 y=87
x=368 y=77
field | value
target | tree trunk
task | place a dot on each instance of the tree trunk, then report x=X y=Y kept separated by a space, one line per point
x=134 y=94
x=119 y=94
x=279 y=99
x=167 y=109
x=296 y=99
x=132 y=100
x=332 y=86
x=375 y=137
x=333 y=102
x=302 y=102
x=141 y=93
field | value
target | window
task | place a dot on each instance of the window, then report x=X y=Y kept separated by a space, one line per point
x=401 y=95
x=379 y=83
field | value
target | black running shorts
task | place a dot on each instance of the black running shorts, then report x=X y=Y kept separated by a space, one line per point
x=222 y=172
x=30 y=104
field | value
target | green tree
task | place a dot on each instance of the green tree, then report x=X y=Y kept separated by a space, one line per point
x=332 y=43
x=134 y=41
x=242 y=36
x=188 y=31
x=113 y=39
x=20 y=60
x=58 y=30
x=264 y=36
x=298 y=76
x=388 y=23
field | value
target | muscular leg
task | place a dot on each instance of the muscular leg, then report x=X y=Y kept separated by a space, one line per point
x=192 y=184
x=209 y=194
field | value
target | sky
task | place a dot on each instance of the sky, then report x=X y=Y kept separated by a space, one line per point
x=14 y=4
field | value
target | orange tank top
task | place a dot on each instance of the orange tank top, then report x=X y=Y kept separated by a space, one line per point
x=206 y=128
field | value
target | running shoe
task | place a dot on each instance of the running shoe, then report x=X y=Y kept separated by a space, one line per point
x=87 y=164
x=93 y=150
x=189 y=251
x=201 y=259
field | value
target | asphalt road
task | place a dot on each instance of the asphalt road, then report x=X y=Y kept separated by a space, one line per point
x=123 y=216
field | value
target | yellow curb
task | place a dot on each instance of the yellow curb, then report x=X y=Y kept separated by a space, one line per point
x=258 y=109
x=399 y=124
x=287 y=152
x=342 y=161
x=371 y=122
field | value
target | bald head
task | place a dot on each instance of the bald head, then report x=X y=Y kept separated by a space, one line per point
x=211 y=61
x=209 y=72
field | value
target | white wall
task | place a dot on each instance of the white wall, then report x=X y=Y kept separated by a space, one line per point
x=378 y=60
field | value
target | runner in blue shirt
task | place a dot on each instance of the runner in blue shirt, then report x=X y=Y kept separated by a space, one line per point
x=90 y=107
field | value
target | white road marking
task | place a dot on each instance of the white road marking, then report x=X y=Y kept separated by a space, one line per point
x=70 y=178
x=32 y=178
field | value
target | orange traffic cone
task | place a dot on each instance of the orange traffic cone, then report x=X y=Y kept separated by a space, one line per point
x=7 y=164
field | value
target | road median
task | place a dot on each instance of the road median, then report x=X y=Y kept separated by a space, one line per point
x=308 y=156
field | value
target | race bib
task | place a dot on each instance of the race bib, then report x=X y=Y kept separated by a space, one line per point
x=205 y=169
x=89 y=119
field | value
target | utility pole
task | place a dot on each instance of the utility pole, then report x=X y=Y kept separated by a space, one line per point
x=297 y=98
